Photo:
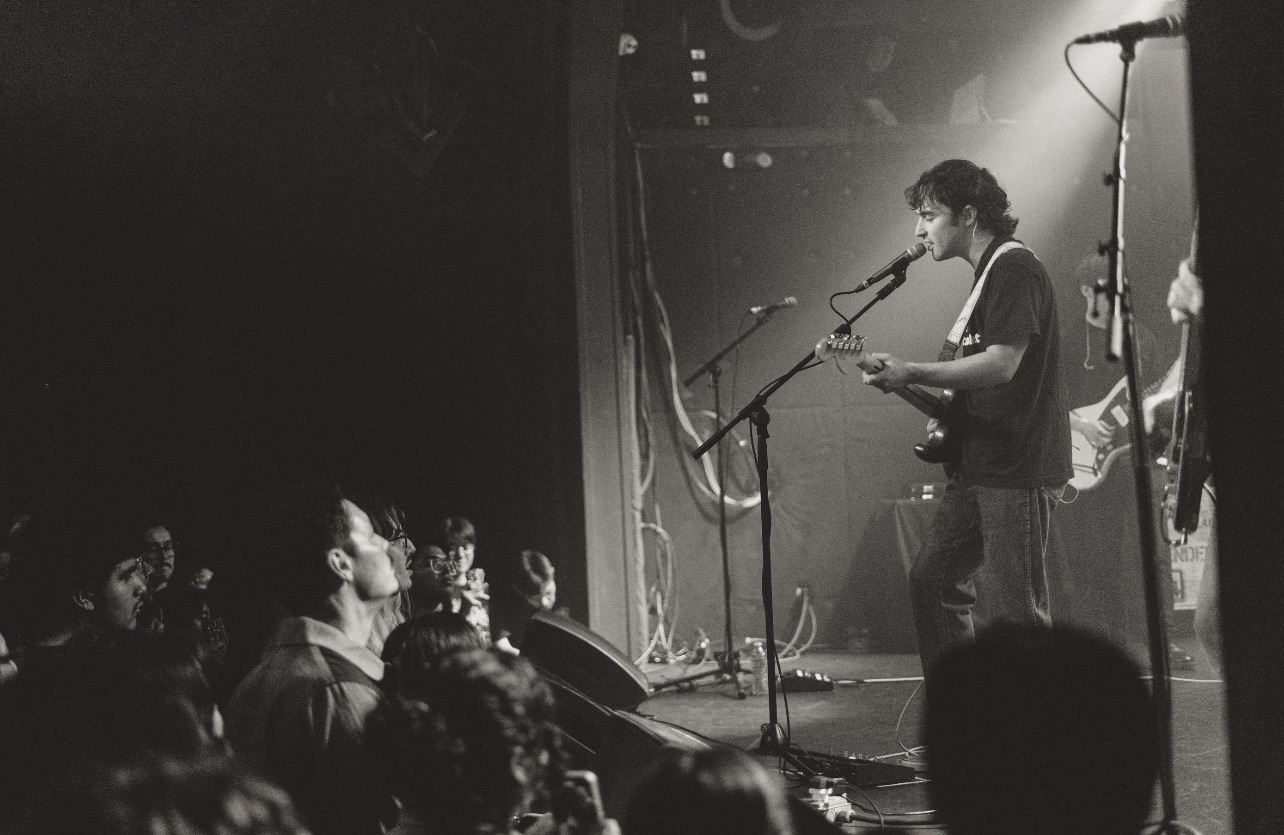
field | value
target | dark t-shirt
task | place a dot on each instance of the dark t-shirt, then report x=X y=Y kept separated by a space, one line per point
x=1016 y=434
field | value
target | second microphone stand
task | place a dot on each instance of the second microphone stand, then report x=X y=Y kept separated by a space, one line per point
x=773 y=739
x=1123 y=345
x=729 y=663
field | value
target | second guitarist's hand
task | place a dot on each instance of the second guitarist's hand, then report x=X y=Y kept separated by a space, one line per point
x=1095 y=432
x=1185 y=294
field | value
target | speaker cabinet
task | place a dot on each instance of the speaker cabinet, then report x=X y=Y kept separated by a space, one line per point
x=618 y=744
x=585 y=660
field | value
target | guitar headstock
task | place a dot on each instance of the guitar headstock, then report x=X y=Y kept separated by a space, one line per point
x=840 y=345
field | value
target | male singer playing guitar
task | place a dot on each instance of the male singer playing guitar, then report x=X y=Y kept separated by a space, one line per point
x=1010 y=411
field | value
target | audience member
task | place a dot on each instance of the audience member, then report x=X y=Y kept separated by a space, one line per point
x=417 y=645
x=389 y=522
x=1040 y=730
x=299 y=716
x=430 y=586
x=69 y=576
x=717 y=791
x=529 y=589
x=459 y=539
x=158 y=554
x=188 y=613
x=156 y=547
x=475 y=749
x=8 y=667
x=210 y=796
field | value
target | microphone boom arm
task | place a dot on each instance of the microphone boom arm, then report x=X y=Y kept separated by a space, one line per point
x=775 y=385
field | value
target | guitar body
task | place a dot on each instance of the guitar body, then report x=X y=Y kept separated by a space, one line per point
x=1092 y=464
x=941 y=446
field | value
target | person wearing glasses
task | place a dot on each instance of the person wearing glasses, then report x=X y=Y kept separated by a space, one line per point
x=445 y=579
x=466 y=581
x=159 y=556
x=389 y=521
x=157 y=551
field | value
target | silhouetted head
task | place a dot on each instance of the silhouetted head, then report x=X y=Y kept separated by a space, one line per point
x=1040 y=730
x=719 y=791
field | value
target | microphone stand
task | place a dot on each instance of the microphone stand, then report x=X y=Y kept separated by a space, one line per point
x=1123 y=343
x=729 y=664
x=773 y=739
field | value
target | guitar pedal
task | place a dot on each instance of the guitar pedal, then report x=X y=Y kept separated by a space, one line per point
x=802 y=681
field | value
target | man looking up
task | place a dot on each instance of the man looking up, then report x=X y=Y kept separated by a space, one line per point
x=299 y=716
x=1009 y=414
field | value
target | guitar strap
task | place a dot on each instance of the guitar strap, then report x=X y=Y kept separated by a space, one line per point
x=951 y=346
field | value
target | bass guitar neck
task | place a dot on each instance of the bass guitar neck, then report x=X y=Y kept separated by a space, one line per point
x=1189 y=464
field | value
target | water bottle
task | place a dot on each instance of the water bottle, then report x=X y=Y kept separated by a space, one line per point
x=702 y=648
x=758 y=657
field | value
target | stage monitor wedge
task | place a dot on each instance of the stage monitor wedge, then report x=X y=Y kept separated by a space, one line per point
x=585 y=660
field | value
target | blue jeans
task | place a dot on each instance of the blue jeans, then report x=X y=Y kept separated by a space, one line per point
x=1003 y=529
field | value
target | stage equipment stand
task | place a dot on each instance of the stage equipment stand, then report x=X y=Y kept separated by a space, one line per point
x=773 y=739
x=1123 y=343
x=729 y=663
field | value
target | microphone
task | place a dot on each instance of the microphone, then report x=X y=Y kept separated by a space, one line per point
x=761 y=309
x=1165 y=27
x=898 y=264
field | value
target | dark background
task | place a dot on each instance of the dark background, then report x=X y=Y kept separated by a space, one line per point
x=252 y=242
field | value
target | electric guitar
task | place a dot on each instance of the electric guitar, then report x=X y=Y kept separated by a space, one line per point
x=942 y=445
x=1092 y=463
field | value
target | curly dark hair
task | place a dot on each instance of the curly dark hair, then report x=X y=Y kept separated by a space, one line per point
x=415 y=647
x=478 y=747
x=958 y=183
x=457 y=531
x=301 y=526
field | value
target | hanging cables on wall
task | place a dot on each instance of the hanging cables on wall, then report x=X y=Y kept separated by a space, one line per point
x=647 y=316
x=708 y=485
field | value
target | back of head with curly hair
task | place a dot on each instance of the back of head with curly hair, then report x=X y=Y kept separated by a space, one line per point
x=477 y=747
x=959 y=183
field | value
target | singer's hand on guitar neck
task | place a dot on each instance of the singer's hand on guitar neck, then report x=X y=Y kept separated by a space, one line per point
x=995 y=365
x=893 y=374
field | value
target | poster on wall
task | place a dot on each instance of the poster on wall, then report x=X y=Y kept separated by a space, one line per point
x=1188 y=559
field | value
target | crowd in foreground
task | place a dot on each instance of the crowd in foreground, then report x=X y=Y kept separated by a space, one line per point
x=374 y=688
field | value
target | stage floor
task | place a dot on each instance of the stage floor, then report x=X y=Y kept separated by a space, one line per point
x=862 y=719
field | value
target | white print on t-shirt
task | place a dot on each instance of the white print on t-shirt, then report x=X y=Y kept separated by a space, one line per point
x=970 y=339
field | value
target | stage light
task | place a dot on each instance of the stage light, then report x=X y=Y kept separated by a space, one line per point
x=1048 y=136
